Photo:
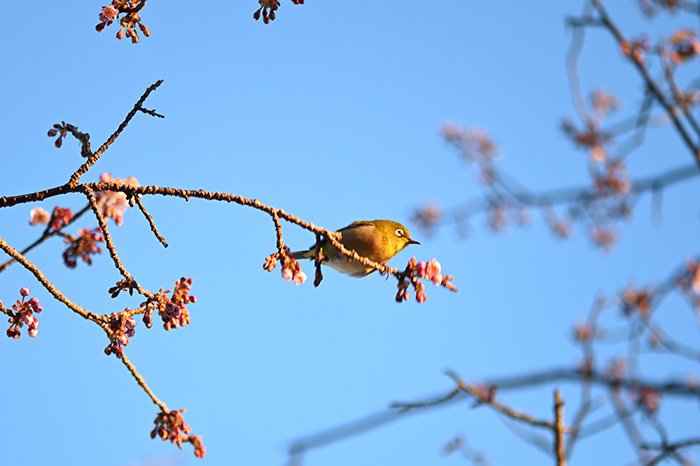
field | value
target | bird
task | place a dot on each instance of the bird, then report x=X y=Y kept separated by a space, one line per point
x=377 y=240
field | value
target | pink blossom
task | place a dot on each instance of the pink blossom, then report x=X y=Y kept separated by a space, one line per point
x=39 y=216
x=109 y=13
x=433 y=270
x=299 y=277
x=114 y=203
x=24 y=292
x=430 y=271
x=696 y=279
x=287 y=274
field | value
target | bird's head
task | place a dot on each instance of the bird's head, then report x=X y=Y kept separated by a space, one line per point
x=398 y=236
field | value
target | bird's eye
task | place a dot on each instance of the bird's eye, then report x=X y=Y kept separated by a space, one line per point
x=399 y=232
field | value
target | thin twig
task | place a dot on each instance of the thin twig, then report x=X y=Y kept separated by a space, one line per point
x=536 y=378
x=572 y=66
x=559 y=429
x=545 y=199
x=151 y=223
x=110 y=244
x=677 y=94
x=142 y=383
x=75 y=177
x=478 y=395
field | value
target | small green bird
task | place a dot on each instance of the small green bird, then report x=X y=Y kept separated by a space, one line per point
x=378 y=240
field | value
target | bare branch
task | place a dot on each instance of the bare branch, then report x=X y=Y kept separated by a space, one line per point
x=559 y=429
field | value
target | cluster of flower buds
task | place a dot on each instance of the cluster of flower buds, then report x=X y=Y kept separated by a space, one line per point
x=484 y=393
x=561 y=228
x=473 y=144
x=82 y=247
x=60 y=217
x=122 y=327
x=612 y=180
x=431 y=270
x=60 y=130
x=584 y=332
x=428 y=217
x=591 y=138
x=689 y=283
x=603 y=237
x=23 y=313
x=291 y=268
x=267 y=9
x=636 y=49
x=172 y=310
x=603 y=103
x=685 y=45
x=636 y=301
x=113 y=204
x=122 y=285
x=129 y=22
x=649 y=399
x=171 y=426
x=651 y=7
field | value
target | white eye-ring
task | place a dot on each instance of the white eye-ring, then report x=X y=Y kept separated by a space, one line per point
x=399 y=232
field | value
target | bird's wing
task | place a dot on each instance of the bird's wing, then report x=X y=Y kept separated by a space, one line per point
x=358 y=223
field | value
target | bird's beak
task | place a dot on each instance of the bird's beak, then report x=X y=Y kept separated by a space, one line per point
x=412 y=241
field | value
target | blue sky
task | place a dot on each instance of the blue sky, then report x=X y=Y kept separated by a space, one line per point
x=332 y=113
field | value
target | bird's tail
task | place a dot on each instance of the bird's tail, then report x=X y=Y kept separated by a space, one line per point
x=308 y=254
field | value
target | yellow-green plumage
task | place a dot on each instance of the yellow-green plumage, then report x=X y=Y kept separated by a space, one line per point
x=378 y=240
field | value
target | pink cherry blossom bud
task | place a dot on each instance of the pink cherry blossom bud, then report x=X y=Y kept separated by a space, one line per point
x=145 y=30
x=109 y=12
x=299 y=278
x=39 y=216
x=52 y=132
x=32 y=331
x=433 y=268
x=437 y=279
x=421 y=297
x=58 y=143
x=120 y=34
x=34 y=304
x=24 y=291
x=287 y=274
